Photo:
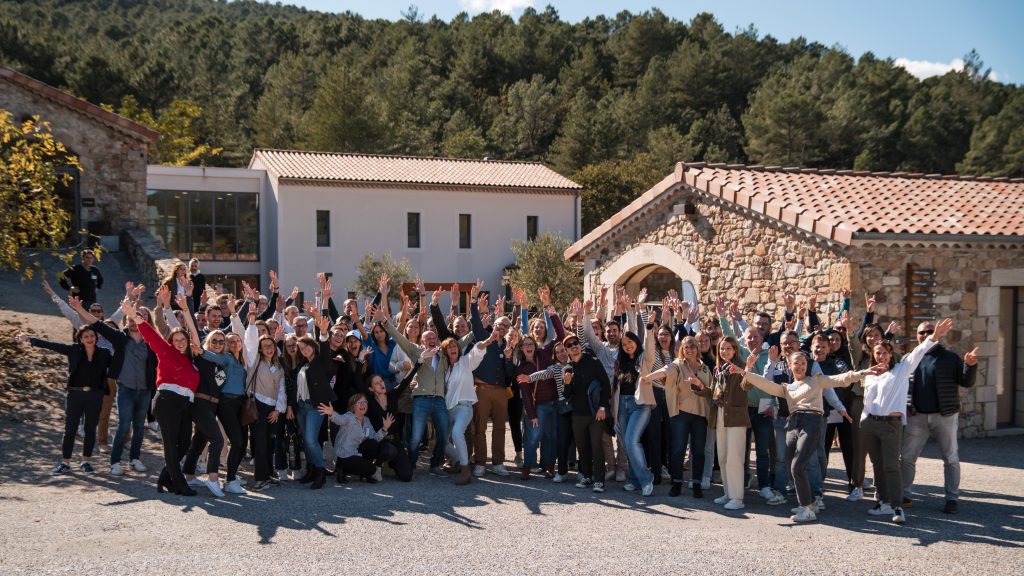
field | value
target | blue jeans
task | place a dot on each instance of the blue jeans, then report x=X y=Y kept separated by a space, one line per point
x=761 y=429
x=460 y=417
x=632 y=423
x=544 y=434
x=686 y=428
x=132 y=406
x=309 y=420
x=432 y=407
x=781 y=465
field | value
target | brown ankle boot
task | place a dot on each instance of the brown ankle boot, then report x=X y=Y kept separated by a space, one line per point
x=464 y=475
x=526 y=473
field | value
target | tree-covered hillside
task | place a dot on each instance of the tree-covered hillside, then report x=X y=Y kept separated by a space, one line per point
x=613 y=100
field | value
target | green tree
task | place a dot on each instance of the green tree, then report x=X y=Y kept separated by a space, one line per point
x=343 y=117
x=31 y=213
x=528 y=119
x=997 y=145
x=462 y=138
x=178 y=134
x=541 y=262
x=610 y=185
x=370 y=268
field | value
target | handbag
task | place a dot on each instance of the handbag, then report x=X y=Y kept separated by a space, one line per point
x=249 y=413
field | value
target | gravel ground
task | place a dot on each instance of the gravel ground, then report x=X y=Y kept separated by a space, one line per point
x=120 y=525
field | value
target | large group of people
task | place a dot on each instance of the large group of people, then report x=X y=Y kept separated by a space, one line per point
x=636 y=394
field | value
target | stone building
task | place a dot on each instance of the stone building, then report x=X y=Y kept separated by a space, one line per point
x=928 y=246
x=108 y=194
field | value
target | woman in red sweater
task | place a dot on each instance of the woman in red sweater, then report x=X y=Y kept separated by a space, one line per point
x=176 y=382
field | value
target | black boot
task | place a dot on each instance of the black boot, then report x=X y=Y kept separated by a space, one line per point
x=309 y=476
x=318 y=481
x=163 y=483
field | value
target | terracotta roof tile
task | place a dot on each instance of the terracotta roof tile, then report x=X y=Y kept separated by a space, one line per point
x=119 y=122
x=321 y=166
x=840 y=204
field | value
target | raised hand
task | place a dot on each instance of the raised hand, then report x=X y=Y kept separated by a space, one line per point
x=475 y=289
x=419 y=286
x=388 y=421
x=943 y=328
x=869 y=302
x=789 y=301
x=294 y=294
x=734 y=309
x=274 y=285
x=812 y=301
x=75 y=302
x=499 y=306
x=894 y=328
x=720 y=307
x=382 y=283
x=587 y=306
x=454 y=294
x=773 y=354
x=47 y=289
x=971 y=358
x=230 y=303
x=751 y=362
x=642 y=297
x=323 y=323
x=187 y=286
x=428 y=353
x=544 y=293
x=845 y=293
x=435 y=297
x=182 y=301
x=326 y=409
x=518 y=297
x=327 y=292
x=878 y=369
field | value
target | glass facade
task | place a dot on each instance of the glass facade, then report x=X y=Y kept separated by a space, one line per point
x=217 y=226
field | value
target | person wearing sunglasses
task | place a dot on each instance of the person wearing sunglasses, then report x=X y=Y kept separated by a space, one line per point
x=589 y=390
x=934 y=407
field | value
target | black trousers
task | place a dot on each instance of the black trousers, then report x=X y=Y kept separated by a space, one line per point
x=204 y=416
x=78 y=404
x=228 y=412
x=373 y=454
x=563 y=435
x=174 y=415
x=845 y=432
x=263 y=441
x=515 y=421
x=588 y=433
x=655 y=438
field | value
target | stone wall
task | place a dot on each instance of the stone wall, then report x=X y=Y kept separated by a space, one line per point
x=741 y=256
x=147 y=252
x=113 y=163
x=963 y=274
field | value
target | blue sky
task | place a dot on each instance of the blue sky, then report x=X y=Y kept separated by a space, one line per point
x=929 y=36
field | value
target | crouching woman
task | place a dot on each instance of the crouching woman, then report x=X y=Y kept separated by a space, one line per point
x=359 y=448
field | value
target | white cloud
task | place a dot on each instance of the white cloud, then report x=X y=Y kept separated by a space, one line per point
x=924 y=69
x=504 y=6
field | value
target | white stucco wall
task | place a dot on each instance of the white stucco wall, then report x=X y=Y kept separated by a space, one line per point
x=374 y=220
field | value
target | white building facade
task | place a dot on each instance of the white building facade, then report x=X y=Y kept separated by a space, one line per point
x=300 y=213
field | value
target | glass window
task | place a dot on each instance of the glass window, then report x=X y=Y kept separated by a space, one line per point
x=202 y=209
x=248 y=211
x=465 y=232
x=413 y=229
x=323 y=227
x=202 y=242
x=248 y=243
x=225 y=241
x=531 y=227
x=224 y=209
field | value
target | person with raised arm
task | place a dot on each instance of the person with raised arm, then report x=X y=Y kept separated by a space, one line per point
x=885 y=406
x=176 y=382
x=588 y=389
x=86 y=386
x=804 y=426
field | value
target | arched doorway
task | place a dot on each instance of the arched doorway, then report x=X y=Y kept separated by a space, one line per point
x=657 y=267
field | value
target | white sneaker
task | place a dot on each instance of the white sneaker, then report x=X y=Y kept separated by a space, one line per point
x=722 y=500
x=609 y=475
x=214 y=487
x=137 y=465
x=558 y=479
x=620 y=476
x=776 y=499
x=804 y=515
x=115 y=469
x=584 y=482
x=797 y=510
x=518 y=461
x=629 y=487
x=195 y=483
x=154 y=426
x=598 y=487
x=478 y=470
x=705 y=485
x=734 y=505
x=648 y=490
x=665 y=474
x=767 y=493
x=234 y=487
x=855 y=495
x=500 y=470
x=898 y=517
x=377 y=475
x=881 y=510
x=752 y=483
x=819 y=503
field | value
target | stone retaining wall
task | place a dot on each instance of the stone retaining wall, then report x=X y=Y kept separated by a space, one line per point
x=149 y=255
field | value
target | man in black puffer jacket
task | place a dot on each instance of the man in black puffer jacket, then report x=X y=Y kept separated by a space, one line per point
x=933 y=413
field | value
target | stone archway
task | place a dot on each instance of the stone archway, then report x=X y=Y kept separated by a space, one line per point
x=632 y=267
